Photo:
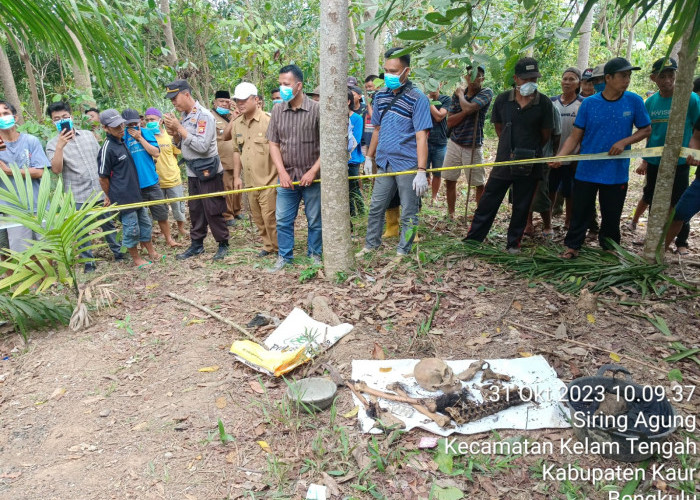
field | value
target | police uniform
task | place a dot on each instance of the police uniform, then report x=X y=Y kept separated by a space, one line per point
x=225 y=148
x=201 y=143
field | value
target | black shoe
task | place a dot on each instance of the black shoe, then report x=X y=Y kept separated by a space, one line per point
x=90 y=267
x=221 y=252
x=239 y=217
x=263 y=253
x=193 y=250
x=231 y=222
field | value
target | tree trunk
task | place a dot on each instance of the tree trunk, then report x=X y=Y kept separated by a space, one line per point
x=335 y=200
x=168 y=29
x=8 y=84
x=81 y=73
x=676 y=48
x=658 y=213
x=29 y=70
x=372 y=43
x=352 y=40
x=630 y=39
x=531 y=32
x=584 y=42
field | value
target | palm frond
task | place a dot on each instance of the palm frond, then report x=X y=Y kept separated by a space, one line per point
x=102 y=28
x=31 y=311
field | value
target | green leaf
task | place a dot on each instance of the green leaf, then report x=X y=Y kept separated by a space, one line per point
x=453 y=13
x=445 y=462
x=675 y=375
x=631 y=486
x=449 y=493
x=225 y=438
x=416 y=34
x=683 y=354
x=437 y=18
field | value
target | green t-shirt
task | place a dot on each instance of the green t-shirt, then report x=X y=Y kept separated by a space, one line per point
x=659 y=109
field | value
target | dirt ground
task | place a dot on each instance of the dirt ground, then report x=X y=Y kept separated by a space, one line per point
x=121 y=409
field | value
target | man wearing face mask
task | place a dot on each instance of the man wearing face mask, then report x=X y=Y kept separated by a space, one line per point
x=523 y=119
x=72 y=153
x=224 y=117
x=25 y=151
x=402 y=120
x=597 y=78
x=144 y=149
x=295 y=149
x=275 y=96
x=604 y=123
x=168 y=170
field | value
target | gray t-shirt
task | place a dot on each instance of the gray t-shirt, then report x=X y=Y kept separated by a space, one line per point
x=25 y=152
x=556 y=130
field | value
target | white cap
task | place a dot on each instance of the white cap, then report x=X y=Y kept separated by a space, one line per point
x=244 y=91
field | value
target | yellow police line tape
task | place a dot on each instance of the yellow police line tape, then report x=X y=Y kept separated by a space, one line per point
x=632 y=153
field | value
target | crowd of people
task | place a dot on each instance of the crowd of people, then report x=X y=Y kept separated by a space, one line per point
x=397 y=128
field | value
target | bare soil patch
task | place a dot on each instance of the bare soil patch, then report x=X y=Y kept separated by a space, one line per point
x=121 y=410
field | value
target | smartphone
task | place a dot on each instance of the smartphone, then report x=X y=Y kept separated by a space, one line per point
x=65 y=126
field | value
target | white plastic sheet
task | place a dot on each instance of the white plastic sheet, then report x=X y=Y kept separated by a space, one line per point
x=533 y=372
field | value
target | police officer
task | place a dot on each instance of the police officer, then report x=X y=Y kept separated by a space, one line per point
x=195 y=135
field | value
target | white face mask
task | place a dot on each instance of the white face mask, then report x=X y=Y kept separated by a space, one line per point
x=527 y=89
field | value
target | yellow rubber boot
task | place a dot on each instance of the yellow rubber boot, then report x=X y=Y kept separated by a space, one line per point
x=391 y=229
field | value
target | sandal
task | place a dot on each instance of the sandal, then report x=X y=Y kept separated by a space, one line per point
x=569 y=254
x=681 y=251
x=548 y=235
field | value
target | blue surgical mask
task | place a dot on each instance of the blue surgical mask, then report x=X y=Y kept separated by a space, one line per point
x=153 y=127
x=527 y=89
x=222 y=111
x=286 y=93
x=7 y=121
x=62 y=121
x=393 y=82
x=277 y=101
x=599 y=87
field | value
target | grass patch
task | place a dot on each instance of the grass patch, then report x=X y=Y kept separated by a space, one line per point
x=593 y=268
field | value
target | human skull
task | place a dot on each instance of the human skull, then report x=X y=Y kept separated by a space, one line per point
x=433 y=374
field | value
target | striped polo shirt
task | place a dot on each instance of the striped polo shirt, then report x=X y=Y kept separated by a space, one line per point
x=297 y=131
x=397 y=135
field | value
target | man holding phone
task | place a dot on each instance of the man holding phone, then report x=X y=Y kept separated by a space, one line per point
x=73 y=155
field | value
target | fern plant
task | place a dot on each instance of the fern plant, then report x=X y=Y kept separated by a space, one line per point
x=64 y=233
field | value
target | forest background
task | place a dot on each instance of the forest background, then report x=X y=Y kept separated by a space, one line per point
x=216 y=44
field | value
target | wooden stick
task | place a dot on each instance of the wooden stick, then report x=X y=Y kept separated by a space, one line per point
x=213 y=315
x=591 y=346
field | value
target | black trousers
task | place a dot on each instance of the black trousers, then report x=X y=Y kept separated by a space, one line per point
x=207 y=211
x=681 y=182
x=523 y=190
x=611 y=198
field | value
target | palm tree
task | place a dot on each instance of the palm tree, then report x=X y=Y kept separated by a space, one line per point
x=66 y=26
